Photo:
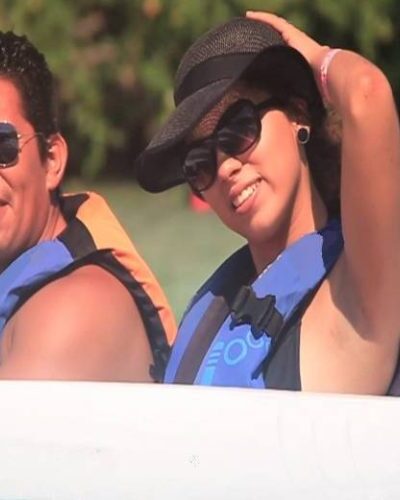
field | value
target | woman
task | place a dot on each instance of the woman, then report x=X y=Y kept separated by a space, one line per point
x=312 y=302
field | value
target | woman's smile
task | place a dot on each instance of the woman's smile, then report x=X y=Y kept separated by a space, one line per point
x=245 y=194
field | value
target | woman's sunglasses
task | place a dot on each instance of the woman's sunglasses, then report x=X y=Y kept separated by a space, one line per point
x=10 y=146
x=237 y=131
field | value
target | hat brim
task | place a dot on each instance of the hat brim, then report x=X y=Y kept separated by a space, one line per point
x=159 y=167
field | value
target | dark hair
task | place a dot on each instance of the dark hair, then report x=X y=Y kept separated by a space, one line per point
x=24 y=66
x=323 y=148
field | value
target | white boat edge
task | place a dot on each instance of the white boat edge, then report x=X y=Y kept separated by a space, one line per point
x=88 y=440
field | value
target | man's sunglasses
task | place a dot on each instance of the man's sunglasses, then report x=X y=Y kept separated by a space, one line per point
x=237 y=131
x=10 y=146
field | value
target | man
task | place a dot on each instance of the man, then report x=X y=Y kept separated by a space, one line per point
x=76 y=300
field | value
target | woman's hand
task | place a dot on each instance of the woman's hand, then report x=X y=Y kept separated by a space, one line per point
x=309 y=48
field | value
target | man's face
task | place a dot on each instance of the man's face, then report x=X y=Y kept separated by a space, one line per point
x=24 y=196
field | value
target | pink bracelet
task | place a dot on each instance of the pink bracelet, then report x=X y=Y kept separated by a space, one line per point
x=323 y=73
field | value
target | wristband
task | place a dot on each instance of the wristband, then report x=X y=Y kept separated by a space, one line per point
x=323 y=73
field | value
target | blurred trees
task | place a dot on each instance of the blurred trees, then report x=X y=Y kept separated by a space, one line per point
x=115 y=59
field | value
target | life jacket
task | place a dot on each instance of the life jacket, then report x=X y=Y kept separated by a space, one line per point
x=92 y=236
x=229 y=330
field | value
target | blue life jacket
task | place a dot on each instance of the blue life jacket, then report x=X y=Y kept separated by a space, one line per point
x=30 y=270
x=92 y=236
x=229 y=330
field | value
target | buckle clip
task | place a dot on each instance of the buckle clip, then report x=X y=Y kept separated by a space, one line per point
x=260 y=313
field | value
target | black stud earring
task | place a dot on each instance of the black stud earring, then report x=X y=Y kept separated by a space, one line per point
x=303 y=135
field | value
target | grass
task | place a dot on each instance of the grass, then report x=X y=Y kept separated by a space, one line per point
x=181 y=246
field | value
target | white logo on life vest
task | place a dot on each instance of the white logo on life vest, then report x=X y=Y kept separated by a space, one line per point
x=237 y=349
x=232 y=353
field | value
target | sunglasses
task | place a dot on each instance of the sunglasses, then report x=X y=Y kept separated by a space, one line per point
x=237 y=131
x=10 y=146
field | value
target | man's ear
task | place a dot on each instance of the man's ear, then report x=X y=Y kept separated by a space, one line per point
x=57 y=155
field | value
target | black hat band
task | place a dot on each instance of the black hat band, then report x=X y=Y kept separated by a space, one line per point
x=210 y=71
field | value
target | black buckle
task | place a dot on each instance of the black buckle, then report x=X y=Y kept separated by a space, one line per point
x=260 y=314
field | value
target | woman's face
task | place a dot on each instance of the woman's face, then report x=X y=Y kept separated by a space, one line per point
x=262 y=192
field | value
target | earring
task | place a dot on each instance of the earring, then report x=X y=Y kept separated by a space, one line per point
x=303 y=135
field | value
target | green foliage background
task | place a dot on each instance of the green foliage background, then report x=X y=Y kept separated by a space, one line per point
x=115 y=59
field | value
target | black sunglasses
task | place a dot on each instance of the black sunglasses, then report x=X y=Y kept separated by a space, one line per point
x=238 y=129
x=10 y=146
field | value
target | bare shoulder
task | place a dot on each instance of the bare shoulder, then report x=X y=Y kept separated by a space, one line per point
x=340 y=343
x=91 y=282
x=84 y=325
x=85 y=296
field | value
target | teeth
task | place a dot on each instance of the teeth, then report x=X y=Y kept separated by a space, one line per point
x=244 y=195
